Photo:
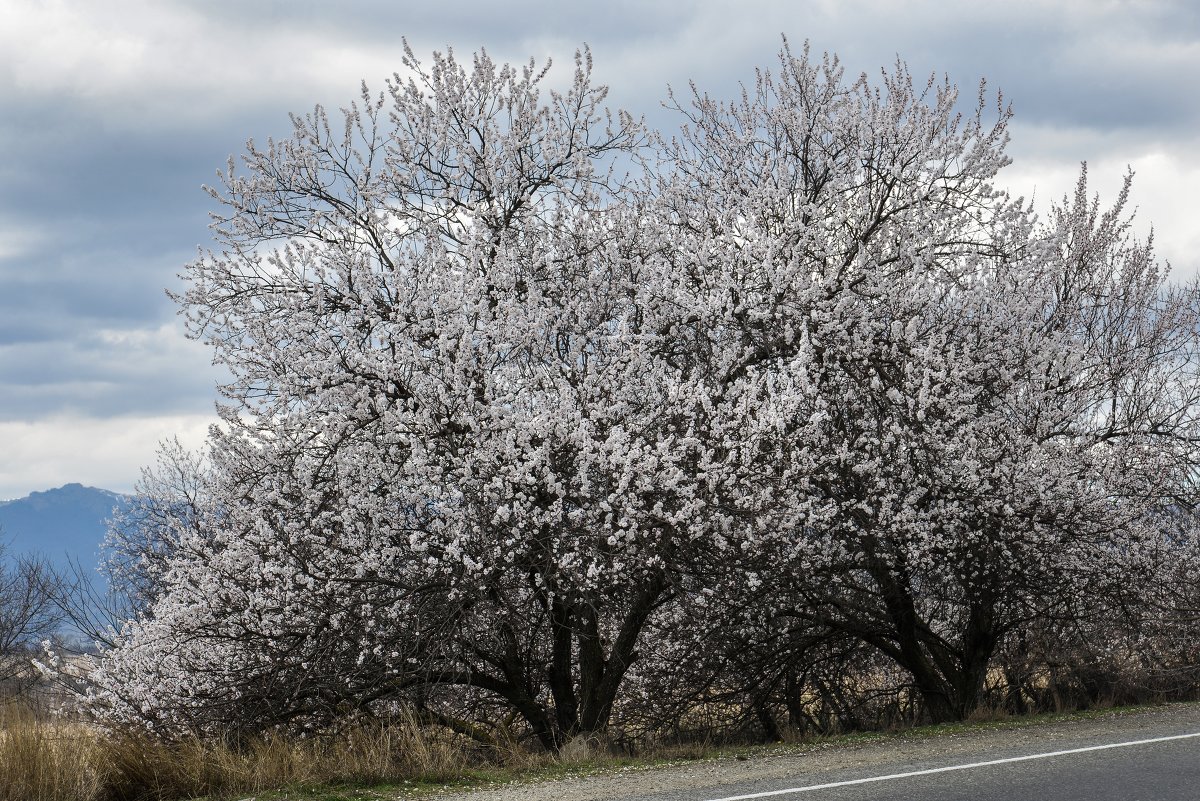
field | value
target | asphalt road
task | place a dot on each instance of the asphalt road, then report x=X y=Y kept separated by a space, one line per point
x=1161 y=770
x=1057 y=760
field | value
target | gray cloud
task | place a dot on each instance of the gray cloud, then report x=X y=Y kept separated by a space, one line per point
x=112 y=116
x=105 y=372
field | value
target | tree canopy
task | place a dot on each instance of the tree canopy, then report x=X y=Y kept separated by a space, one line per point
x=528 y=401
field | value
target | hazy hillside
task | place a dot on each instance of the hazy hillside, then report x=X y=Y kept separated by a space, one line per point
x=59 y=523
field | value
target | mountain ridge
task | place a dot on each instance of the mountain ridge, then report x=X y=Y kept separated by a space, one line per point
x=61 y=524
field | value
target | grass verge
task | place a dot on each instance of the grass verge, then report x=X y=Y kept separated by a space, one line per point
x=599 y=763
x=46 y=759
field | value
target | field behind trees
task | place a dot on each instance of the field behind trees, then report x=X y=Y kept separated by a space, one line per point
x=546 y=429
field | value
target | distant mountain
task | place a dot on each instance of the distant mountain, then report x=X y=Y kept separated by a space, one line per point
x=60 y=524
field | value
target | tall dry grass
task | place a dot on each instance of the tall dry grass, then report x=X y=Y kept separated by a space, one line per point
x=368 y=754
x=45 y=759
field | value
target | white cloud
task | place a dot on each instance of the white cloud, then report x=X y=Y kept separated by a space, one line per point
x=1047 y=167
x=165 y=344
x=153 y=63
x=17 y=242
x=107 y=453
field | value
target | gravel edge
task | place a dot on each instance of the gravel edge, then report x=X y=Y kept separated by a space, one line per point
x=808 y=763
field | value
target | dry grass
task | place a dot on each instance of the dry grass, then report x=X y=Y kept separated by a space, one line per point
x=47 y=759
x=43 y=759
x=367 y=755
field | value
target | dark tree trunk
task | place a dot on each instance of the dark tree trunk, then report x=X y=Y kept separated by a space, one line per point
x=767 y=720
x=562 y=685
x=949 y=678
x=582 y=678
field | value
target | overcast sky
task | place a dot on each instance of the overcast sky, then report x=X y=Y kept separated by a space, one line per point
x=113 y=113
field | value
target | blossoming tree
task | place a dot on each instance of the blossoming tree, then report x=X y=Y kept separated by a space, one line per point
x=516 y=382
x=973 y=418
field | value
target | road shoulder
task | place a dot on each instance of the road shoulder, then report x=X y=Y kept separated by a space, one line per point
x=817 y=762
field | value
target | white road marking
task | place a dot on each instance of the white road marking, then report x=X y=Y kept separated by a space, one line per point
x=811 y=787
